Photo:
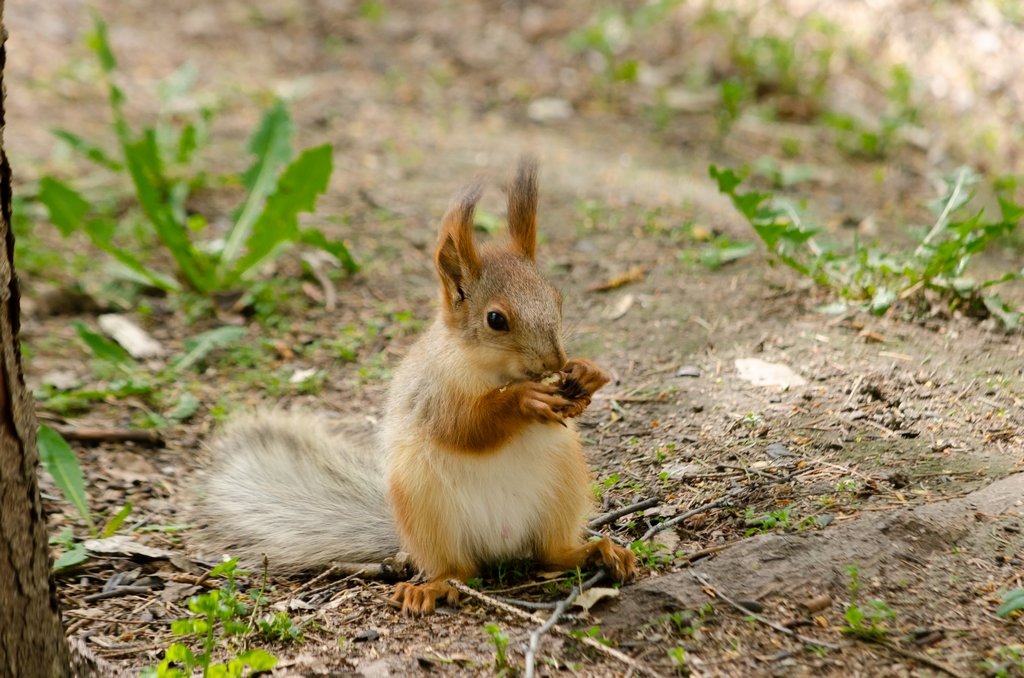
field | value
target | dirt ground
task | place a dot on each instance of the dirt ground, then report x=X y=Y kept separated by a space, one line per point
x=901 y=454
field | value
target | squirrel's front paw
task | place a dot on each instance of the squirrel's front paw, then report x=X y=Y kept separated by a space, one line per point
x=586 y=373
x=543 y=401
x=580 y=378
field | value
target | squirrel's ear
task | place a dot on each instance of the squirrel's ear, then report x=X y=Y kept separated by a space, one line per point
x=456 y=257
x=522 y=208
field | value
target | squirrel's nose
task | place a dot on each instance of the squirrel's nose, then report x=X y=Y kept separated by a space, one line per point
x=554 y=361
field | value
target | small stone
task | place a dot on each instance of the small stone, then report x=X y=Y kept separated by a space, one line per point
x=750 y=605
x=778 y=450
x=762 y=373
x=366 y=635
x=688 y=371
x=61 y=380
x=547 y=109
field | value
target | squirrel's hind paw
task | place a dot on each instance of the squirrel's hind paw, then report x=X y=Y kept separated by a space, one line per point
x=420 y=599
x=619 y=560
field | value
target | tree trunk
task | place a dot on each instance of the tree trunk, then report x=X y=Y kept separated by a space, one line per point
x=31 y=638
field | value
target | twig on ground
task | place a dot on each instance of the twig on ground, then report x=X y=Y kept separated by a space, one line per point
x=711 y=550
x=560 y=608
x=727 y=500
x=316 y=580
x=767 y=622
x=527 y=604
x=655 y=529
x=853 y=390
x=536 y=618
x=612 y=516
x=922 y=658
x=618 y=540
x=316 y=267
x=111 y=435
x=117 y=593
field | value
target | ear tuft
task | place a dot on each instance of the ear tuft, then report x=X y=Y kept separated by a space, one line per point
x=456 y=257
x=522 y=208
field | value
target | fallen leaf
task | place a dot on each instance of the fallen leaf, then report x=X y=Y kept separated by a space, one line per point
x=130 y=336
x=635 y=274
x=871 y=337
x=620 y=308
x=590 y=597
x=123 y=545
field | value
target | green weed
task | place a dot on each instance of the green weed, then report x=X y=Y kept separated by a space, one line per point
x=759 y=524
x=877 y=141
x=677 y=656
x=217 y=618
x=937 y=266
x=500 y=641
x=1006 y=662
x=790 y=71
x=120 y=376
x=1013 y=602
x=612 y=31
x=867 y=622
x=158 y=161
x=60 y=462
x=650 y=553
x=593 y=632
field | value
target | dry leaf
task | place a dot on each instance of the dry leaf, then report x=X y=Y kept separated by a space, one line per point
x=590 y=597
x=130 y=336
x=123 y=545
x=620 y=308
x=635 y=274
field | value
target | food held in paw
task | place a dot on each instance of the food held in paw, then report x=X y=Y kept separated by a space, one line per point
x=572 y=389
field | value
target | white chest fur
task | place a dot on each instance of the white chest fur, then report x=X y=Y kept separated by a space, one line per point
x=494 y=505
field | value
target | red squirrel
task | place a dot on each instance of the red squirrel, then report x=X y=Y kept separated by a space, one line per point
x=477 y=459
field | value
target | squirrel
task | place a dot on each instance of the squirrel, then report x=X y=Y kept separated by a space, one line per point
x=477 y=459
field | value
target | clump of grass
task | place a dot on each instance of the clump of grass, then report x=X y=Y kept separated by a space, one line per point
x=158 y=160
x=222 y=618
x=935 y=269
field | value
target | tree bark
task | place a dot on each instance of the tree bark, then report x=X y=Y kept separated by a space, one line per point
x=31 y=638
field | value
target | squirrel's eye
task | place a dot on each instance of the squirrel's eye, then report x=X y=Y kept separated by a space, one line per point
x=497 y=322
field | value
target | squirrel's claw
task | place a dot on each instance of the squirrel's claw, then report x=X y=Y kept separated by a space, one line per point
x=420 y=599
x=542 y=401
x=585 y=372
x=619 y=560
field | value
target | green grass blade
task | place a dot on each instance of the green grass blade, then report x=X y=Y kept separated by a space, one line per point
x=102 y=348
x=88 y=149
x=200 y=345
x=1013 y=601
x=185 y=408
x=147 y=173
x=65 y=206
x=61 y=463
x=137 y=271
x=315 y=238
x=71 y=557
x=99 y=43
x=271 y=144
x=297 y=190
x=114 y=524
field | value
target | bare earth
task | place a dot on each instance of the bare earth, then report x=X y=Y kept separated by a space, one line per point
x=901 y=455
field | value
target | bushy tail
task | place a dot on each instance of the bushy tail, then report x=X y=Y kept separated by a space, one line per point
x=282 y=485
